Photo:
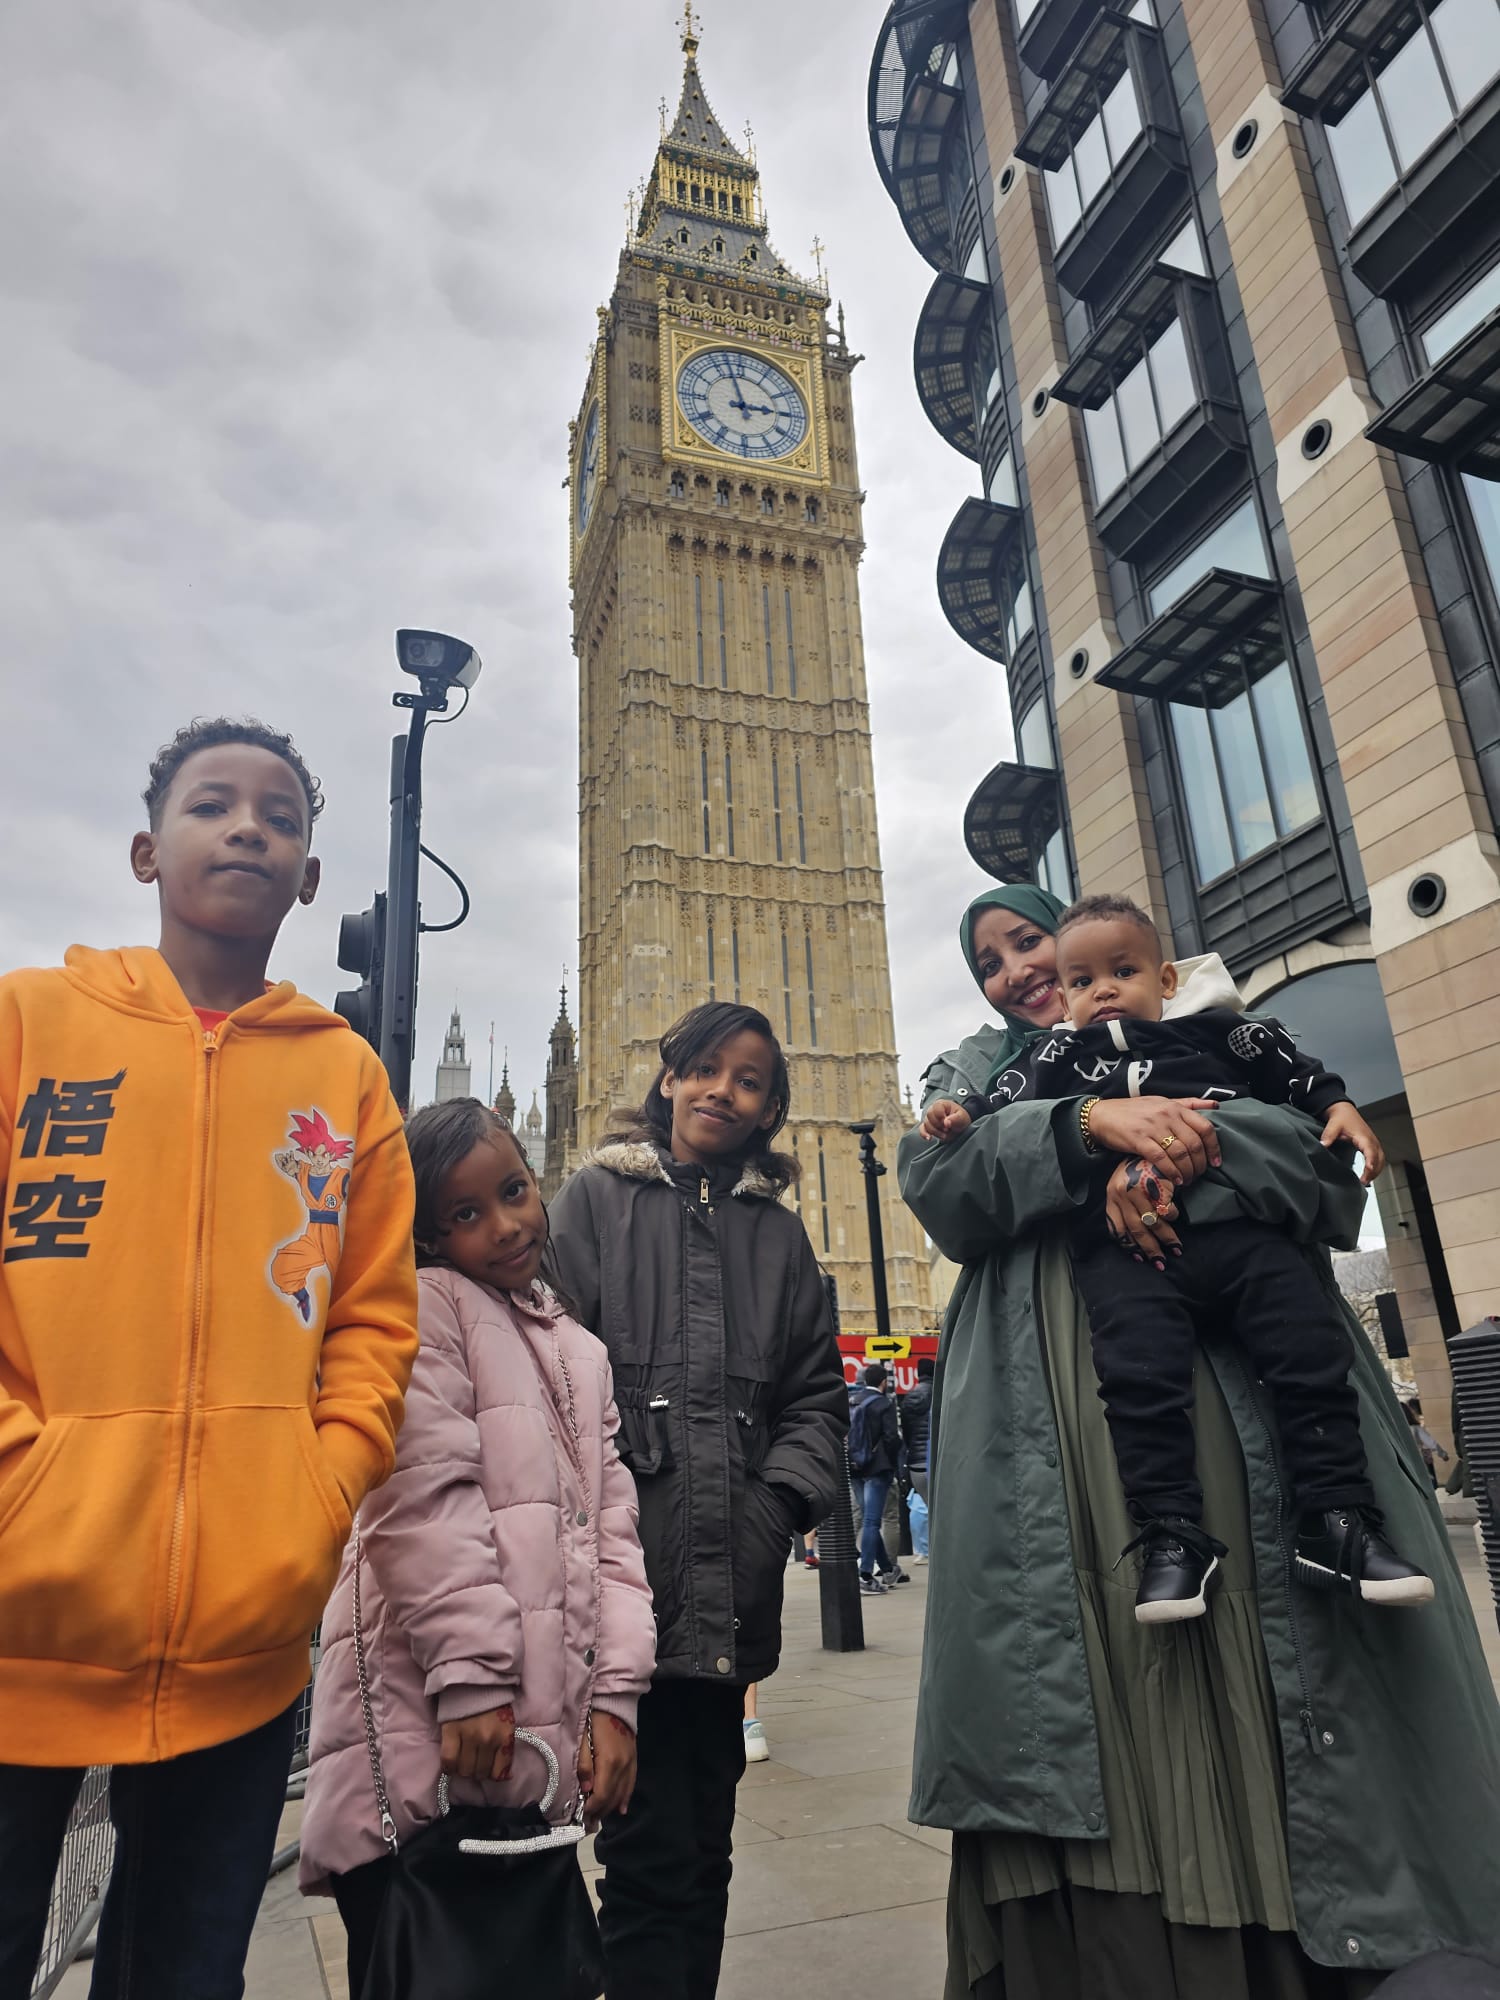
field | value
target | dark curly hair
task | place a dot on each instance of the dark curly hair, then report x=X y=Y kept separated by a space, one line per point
x=1110 y=909
x=208 y=733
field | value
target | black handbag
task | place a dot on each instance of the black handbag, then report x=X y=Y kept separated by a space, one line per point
x=484 y=1900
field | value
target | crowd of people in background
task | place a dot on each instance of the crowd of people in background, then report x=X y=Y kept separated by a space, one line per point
x=272 y=1356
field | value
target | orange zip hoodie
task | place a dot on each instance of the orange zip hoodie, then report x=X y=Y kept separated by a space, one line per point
x=207 y=1320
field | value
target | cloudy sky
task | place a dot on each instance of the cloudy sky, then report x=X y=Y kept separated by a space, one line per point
x=297 y=296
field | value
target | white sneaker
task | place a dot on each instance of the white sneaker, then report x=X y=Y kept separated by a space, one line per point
x=757 y=1748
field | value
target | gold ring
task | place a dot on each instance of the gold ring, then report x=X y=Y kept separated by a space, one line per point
x=1148 y=1217
x=1169 y=1141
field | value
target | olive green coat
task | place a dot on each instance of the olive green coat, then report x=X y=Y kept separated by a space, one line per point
x=1388 y=1726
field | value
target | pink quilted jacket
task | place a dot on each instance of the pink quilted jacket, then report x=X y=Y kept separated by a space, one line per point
x=501 y=1564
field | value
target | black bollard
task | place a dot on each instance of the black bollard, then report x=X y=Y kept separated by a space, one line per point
x=1474 y=1356
x=838 y=1575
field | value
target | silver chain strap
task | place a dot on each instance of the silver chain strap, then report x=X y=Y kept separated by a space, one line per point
x=362 y=1670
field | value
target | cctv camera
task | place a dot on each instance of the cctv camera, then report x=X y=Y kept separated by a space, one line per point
x=433 y=656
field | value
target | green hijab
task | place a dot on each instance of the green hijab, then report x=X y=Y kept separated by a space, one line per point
x=1038 y=906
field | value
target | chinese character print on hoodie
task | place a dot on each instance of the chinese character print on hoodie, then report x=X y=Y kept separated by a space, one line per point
x=207 y=1320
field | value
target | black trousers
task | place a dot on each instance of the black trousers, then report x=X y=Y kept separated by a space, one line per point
x=194 y=1837
x=1255 y=1284
x=360 y=1895
x=664 y=1896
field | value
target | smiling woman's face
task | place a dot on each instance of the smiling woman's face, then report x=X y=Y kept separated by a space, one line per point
x=1017 y=964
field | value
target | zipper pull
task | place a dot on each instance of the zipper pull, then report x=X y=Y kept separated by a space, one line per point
x=1310 y=1731
x=703 y=1190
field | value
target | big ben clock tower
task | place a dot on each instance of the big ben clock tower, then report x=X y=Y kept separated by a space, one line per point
x=727 y=834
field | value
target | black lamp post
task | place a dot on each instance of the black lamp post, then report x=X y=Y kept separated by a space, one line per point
x=872 y=1169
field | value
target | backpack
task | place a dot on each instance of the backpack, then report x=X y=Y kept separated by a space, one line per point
x=868 y=1455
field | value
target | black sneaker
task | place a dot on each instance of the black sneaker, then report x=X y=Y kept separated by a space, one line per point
x=895 y=1576
x=1343 y=1549
x=1176 y=1569
x=872 y=1586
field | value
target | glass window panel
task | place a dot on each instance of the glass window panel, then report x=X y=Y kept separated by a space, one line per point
x=1022 y=617
x=1362 y=155
x=1137 y=413
x=1176 y=392
x=1462 y=317
x=1062 y=200
x=1200 y=784
x=1091 y=158
x=992 y=387
x=1122 y=118
x=1250 y=824
x=1025 y=9
x=1002 y=486
x=950 y=71
x=1235 y=544
x=1102 y=430
x=977 y=270
x=1468 y=35
x=1294 y=797
x=1416 y=104
x=1052 y=869
x=1484 y=504
x=1034 y=739
x=1185 y=252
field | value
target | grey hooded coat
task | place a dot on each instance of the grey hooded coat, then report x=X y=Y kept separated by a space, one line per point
x=730 y=1388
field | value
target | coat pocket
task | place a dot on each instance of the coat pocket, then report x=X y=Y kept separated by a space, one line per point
x=81 y=1541
x=271 y=1522
x=645 y=1440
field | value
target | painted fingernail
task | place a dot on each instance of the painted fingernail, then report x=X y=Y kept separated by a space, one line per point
x=1159 y=1264
x=1137 y=1257
x=1176 y=1249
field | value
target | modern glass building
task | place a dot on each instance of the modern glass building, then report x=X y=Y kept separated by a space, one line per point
x=1215 y=318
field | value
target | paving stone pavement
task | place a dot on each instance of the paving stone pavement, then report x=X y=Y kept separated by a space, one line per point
x=827 y=1869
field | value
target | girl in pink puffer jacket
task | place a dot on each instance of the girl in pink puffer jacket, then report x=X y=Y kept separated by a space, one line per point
x=503 y=1581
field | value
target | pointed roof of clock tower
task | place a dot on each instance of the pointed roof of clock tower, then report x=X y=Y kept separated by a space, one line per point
x=702 y=210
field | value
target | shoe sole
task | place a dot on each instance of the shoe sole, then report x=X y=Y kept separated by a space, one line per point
x=757 y=1753
x=1403 y=1590
x=1177 y=1610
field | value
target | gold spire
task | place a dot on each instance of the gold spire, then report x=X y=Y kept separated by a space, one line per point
x=690 y=26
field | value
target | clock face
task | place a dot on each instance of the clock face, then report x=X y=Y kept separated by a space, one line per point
x=587 y=476
x=741 y=403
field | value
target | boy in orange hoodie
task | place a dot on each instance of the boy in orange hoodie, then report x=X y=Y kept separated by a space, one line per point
x=207 y=1320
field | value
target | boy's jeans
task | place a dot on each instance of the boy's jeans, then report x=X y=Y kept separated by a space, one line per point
x=872 y=1551
x=193 y=1842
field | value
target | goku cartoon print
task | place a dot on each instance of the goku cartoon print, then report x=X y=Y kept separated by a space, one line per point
x=318 y=1162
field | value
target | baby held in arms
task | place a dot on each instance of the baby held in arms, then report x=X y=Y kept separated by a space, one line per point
x=1137 y=1027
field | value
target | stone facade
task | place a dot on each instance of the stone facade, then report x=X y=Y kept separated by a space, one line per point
x=728 y=840
x=1171 y=173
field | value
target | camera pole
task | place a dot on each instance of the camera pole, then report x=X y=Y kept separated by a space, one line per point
x=398 y=1011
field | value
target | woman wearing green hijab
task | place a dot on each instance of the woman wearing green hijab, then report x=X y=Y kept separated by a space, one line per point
x=1274 y=1802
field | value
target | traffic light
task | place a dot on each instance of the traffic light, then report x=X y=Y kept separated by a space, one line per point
x=362 y=950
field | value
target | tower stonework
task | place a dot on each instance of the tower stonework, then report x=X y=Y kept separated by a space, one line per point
x=728 y=842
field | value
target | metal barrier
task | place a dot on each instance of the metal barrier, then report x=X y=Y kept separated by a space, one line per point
x=89 y=1849
x=1474 y=1356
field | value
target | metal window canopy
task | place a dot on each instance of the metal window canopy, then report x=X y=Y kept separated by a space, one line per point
x=1104 y=243
x=1013 y=814
x=1452 y=416
x=1199 y=652
x=1448 y=191
x=968 y=574
x=942 y=357
x=1052 y=33
x=1091 y=374
x=911 y=116
x=1362 y=29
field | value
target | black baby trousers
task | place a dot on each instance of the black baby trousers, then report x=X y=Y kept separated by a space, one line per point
x=1257 y=1286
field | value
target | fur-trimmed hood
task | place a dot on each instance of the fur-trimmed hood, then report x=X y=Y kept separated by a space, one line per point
x=640 y=1160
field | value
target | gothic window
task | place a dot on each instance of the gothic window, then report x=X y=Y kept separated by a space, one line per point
x=786 y=984
x=776 y=813
x=697 y=195
x=722 y=493
x=698 y=619
x=765 y=607
x=729 y=802
x=812 y=512
x=719 y=245
x=737 y=205
x=734 y=954
x=682 y=190
x=801 y=821
x=677 y=486
x=823 y=1193
x=682 y=235
x=768 y=502
x=723 y=640
x=791 y=648
x=812 y=997
x=703 y=771
x=711 y=994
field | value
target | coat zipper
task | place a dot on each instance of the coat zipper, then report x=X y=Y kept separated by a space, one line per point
x=1305 y=1713
x=200 y=1260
